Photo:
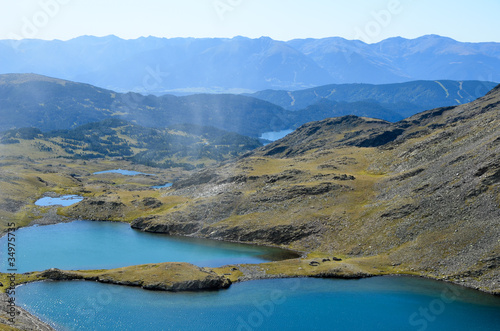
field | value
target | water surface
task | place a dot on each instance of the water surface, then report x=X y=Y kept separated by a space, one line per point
x=122 y=172
x=162 y=186
x=275 y=135
x=104 y=245
x=382 y=303
x=65 y=200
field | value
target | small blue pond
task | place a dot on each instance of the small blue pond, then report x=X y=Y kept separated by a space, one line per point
x=162 y=186
x=66 y=200
x=123 y=172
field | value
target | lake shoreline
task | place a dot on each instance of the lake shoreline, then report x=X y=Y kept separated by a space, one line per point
x=357 y=273
x=23 y=318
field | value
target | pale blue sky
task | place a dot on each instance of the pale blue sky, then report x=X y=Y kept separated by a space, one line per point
x=368 y=20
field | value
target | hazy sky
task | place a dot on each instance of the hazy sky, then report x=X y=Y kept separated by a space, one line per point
x=368 y=20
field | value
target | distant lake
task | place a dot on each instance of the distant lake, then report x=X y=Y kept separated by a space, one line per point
x=66 y=200
x=122 y=172
x=162 y=186
x=381 y=303
x=104 y=245
x=275 y=135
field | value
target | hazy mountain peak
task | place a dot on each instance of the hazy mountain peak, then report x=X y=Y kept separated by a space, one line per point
x=158 y=65
x=30 y=77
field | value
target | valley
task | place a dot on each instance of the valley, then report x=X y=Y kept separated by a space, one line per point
x=355 y=196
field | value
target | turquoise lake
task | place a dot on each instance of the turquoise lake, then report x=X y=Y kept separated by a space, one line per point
x=104 y=245
x=381 y=303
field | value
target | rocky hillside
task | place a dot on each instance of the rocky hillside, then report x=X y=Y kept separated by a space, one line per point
x=419 y=196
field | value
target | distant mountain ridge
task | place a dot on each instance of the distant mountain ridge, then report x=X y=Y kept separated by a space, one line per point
x=422 y=95
x=159 y=65
x=29 y=100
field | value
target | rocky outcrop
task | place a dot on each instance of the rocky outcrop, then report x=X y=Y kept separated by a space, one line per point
x=57 y=274
x=202 y=177
x=206 y=218
x=211 y=282
x=101 y=208
x=279 y=194
x=147 y=203
x=163 y=276
x=279 y=234
x=157 y=224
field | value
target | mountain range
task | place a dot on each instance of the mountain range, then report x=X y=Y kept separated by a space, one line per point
x=186 y=65
x=46 y=103
x=29 y=100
